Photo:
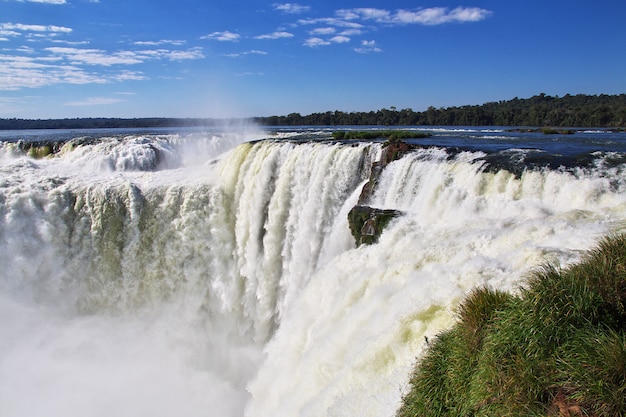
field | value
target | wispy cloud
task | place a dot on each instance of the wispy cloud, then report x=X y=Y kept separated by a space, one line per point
x=331 y=21
x=363 y=14
x=347 y=23
x=79 y=56
x=73 y=43
x=222 y=36
x=441 y=15
x=127 y=75
x=427 y=16
x=193 y=53
x=323 y=31
x=95 y=56
x=161 y=42
x=44 y=1
x=275 y=35
x=94 y=101
x=313 y=42
x=368 y=47
x=340 y=39
x=251 y=52
x=66 y=65
x=18 y=29
x=17 y=72
x=291 y=8
x=351 y=32
x=250 y=74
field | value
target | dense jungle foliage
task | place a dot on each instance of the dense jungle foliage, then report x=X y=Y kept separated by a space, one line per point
x=541 y=110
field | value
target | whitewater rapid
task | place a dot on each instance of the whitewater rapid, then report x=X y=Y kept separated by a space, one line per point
x=215 y=275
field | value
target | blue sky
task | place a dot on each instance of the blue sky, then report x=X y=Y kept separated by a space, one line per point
x=229 y=58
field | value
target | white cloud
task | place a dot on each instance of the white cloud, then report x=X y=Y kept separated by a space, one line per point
x=440 y=15
x=96 y=56
x=364 y=14
x=223 y=36
x=275 y=35
x=193 y=53
x=78 y=56
x=331 y=21
x=351 y=32
x=15 y=29
x=427 y=16
x=251 y=52
x=68 y=65
x=323 y=31
x=340 y=39
x=469 y=14
x=17 y=72
x=94 y=101
x=128 y=76
x=25 y=49
x=313 y=42
x=368 y=47
x=73 y=43
x=45 y=1
x=161 y=42
x=291 y=8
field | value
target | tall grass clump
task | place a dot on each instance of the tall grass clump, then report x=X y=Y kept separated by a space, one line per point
x=556 y=349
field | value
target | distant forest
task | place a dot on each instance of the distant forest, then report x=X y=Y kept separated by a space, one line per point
x=540 y=110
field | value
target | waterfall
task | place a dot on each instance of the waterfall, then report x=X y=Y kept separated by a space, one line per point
x=157 y=275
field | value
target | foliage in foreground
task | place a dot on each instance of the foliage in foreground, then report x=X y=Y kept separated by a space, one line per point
x=557 y=349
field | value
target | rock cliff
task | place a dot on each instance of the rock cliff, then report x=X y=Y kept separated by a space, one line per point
x=367 y=223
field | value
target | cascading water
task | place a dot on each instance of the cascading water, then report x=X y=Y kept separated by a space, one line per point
x=148 y=275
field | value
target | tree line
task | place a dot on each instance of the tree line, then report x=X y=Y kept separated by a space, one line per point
x=541 y=110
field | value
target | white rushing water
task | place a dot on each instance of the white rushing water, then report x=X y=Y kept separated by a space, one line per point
x=152 y=276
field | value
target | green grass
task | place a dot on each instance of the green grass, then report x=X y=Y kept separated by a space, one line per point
x=552 y=131
x=390 y=135
x=558 y=347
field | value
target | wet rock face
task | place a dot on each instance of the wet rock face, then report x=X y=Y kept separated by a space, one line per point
x=367 y=223
x=370 y=186
x=394 y=150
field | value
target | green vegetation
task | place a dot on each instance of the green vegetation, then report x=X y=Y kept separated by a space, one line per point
x=541 y=110
x=557 y=349
x=551 y=131
x=390 y=135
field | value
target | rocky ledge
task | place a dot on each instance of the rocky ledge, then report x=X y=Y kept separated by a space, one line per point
x=367 y=223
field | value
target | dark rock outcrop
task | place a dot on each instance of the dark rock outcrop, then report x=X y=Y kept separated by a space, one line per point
x=367 y=223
